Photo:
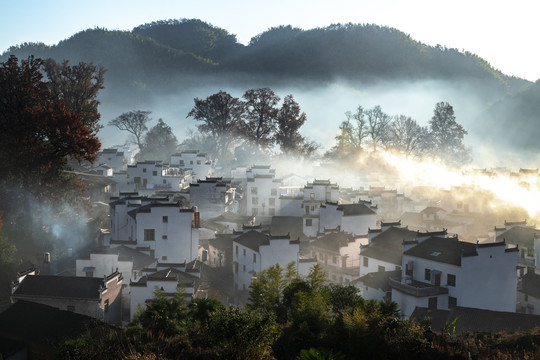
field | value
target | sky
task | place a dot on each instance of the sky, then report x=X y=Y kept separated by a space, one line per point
x=502 y=32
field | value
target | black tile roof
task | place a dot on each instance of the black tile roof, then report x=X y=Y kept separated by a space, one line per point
x=379 y=280
x=254 y=239
x=39 y=328
x=520 y=235
x=333 y=241
x=60 y=287
x=445 y=250
x=355 y=209
x=388 y=245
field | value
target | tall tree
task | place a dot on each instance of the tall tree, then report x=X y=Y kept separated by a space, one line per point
x=406 y=136
x=159 y=143
x=447 y=135
x=358 y=130
x=77 y=86
x=220 y=114
x=377 y=125
x=260 y=116
x=38 y=131
x=289 y=120
x=133 y=122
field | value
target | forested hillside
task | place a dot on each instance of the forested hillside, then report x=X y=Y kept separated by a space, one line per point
x=178 y=58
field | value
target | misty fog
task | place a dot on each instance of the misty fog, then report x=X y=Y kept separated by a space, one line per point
x=325 y=106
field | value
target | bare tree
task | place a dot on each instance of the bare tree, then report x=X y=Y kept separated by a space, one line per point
x=133 y=122
x=358 y=127
x=377 y=125
x=406 y=136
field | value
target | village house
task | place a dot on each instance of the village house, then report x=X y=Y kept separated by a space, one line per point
x=198 y=163
x=383 y=251
x=167 y=231
x=261 y=197
x=338 y=254
x=183 y=279
x=355 y=218
x=255 y=251
x=528 y=294
x=213 y=197
x=146 y=177
x=113 y=158
x=520 y=234
x=99 y=298
x=317 y=193
x=442 y=273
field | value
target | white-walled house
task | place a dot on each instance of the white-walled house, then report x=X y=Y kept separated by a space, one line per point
x=255 y=251
x=315 y=194
x=444 y=272
x=338 y=253
x=384 y=249
x=528 y=295
x=151 y=176
x=113 y=158
x=212 y=197
x=262 y=191
x=200 y=165
x=99 y=298
x=170 y=280
x=355 y=219
x=167 y=231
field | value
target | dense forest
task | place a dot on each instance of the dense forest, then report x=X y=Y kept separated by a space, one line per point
x=176 y=60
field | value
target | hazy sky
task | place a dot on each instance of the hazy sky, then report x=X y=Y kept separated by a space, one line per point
x=502 y=32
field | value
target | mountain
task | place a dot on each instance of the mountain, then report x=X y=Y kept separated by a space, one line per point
x=183 y=59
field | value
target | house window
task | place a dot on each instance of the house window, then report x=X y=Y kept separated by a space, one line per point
x=452 y=302
x=253 y=191
x=432 y=302
x=254 y=258
x=165 y=219
x=309 y=222
x=273 y=192
x=149 y=234
x=380 y=268
x=144 y=170
x=244 y=252
x=244 y=268
x=312 y=208
x=236 y=268
x=181 y=163
x=427 y=274
x=365 y=261
x=154 y=173
x=530 y=251
x=191 y=162
x=307 y=209
x=236 y=250
x=451 y=280
x=164 y=258
x=164 y=237
x=255 y=201
x=164 y=181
